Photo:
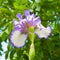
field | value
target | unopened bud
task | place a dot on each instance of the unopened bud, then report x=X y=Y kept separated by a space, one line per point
x=31 y=52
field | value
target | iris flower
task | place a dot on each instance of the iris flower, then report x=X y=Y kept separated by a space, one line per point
x=21 y=29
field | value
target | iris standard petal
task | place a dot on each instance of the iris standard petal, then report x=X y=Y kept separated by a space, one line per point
x=19 y=16
x=30 y=18
x=15 y=22
x=36 y=21
x=17 y=38
x=27 y=12
x=43 y=32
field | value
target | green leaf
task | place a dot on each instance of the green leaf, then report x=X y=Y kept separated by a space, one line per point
x=12 y=54
x=4 y=36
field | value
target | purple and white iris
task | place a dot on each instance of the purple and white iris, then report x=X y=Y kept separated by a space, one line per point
x=21 y=29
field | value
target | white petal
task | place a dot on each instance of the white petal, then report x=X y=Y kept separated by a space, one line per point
x=17 y=38
x=43 y=32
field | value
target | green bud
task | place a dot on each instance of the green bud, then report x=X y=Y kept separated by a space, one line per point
x=31 y=52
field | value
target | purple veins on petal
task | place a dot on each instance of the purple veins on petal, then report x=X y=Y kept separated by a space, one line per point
x=17 y=38
x=16 y=24
x=30 y=17
x=41 y=28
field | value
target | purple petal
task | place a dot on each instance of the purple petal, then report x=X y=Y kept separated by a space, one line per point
x=36 y=21
x=17 y=38
x=30 y=17
x=44 y=32
x=27 y=12
x=15 y=22
x=19 y=16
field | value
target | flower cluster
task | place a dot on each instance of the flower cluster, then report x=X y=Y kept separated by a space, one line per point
x=21 y=28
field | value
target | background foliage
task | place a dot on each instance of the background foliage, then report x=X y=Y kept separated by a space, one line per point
x=49 y=12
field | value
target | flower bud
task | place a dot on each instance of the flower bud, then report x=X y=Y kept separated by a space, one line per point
x=31 y=52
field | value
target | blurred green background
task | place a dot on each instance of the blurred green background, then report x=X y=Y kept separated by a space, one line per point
x=49 y=12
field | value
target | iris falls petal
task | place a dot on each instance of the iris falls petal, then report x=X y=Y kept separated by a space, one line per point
x=17 y=38
x=43 y=32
